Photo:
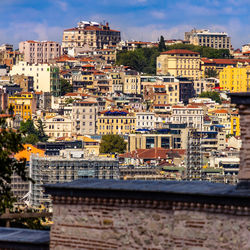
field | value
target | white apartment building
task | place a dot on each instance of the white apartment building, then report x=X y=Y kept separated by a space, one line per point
x=84 y=116
x=193 y=116
x=145 y=120
x=39 y=51
x=58 y=126
x=46 y=77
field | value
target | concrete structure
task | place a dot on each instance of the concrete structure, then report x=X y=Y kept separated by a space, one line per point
x=71 y=165
x=84 y=116
x=217 y=40
x=93 y=34
x=26 y=82
x=39 y=51
x=46 y=77
x=179 y=62
x=131 y=83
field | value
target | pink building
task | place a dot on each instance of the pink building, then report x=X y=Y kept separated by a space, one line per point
x=39 y=52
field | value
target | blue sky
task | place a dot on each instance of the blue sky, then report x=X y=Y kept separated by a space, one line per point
x=142 y=20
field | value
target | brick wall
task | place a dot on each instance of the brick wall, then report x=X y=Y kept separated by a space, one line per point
x=145 y=226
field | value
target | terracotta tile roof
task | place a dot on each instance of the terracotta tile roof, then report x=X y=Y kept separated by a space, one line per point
x=159 y=86
x=180 y=51
x=220 y=111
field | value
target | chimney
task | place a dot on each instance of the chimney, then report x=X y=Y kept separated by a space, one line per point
x=242 y=100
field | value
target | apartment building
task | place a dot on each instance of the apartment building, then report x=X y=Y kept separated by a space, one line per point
x=45 y=76
x=92 y=34
x=179 y=62
x=145 y=120
x=191 y=115
x=39 y=51
x=58 y=126
x=131 y=82
x=203 y=37
x=26 y=82
x=235 y=79
x=116 y=82
x=116 y=122
x=84 y=115
x=23 y=104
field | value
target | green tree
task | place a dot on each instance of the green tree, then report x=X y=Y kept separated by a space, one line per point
x=112 y=144
x=66 y=87
x=30 y=133
x=210 y=72
x=162 y=46
x=10 y=143
x=211 y=94
x=40 y=131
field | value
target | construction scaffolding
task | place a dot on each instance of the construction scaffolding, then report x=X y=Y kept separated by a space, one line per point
x=194 y=155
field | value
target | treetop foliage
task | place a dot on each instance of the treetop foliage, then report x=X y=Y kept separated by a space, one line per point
x=211 y=94
x=112 y=144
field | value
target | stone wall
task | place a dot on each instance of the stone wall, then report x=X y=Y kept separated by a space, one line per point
x=115 y=224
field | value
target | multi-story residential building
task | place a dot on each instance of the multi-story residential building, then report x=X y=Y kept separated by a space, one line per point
x=23 y=104
x=58 y=126
x=116 y=122
x=71 y=165
x=46 y=77
x=116 y=82
x=235 y=123
x=145 y=120
x=207 y=84
x=131 y=82
x=3 y=101
x=223 y=117
x=235 y=79
x=39 y=51
x=84 y=115
x=191 y=115
x=217 y=40
x=179 y=62
x=93 y=34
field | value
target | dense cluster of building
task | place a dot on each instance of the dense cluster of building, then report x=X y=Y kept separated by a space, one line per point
x=171 y=132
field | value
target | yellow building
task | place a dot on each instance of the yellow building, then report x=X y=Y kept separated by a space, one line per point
x=115 y=122
x=131 y=83
x=179 y=62
x=91 y=146
x=235 y=123
x=235 y=79
x=23 y=104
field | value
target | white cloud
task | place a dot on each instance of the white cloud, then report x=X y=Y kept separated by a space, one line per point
x=62 y=5
x=158 y=14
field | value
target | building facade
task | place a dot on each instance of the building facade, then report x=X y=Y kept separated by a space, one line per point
x=45 y=76
x=92 y=34
x=179 y=62
x=84 y=115
x=217 y=40
x=39 y=51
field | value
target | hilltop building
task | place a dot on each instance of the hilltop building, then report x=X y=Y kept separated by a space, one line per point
x=203 y=37
x=93 y=34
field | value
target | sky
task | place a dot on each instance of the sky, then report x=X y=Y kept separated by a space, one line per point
x=144 y=20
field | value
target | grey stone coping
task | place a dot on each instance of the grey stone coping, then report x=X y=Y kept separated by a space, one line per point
x=240 y=98
x=186 y=191
x=20 y=238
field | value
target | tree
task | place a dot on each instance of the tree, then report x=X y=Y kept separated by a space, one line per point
x=30 y=133
x=40 y=131
x=162 y=46
x=112 y=144
x=66 y=87
x=210 y=72
x=10 y=143
x=211 y=94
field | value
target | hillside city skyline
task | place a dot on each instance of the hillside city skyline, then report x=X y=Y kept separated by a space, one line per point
x=142 y=20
